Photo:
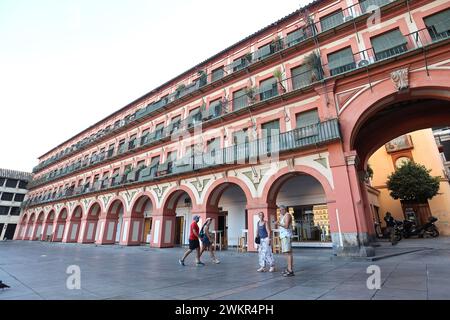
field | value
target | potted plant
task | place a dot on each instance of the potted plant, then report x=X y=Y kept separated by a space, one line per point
x=278 y=74
x=203 y=78
x=249 y=57
x=314 y=63
x=251 y=94
x=276 y=44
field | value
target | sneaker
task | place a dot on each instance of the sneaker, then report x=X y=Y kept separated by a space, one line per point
x=200 y=263
x=216 y=261
x=262 y=269
x=289 y=274
x=181 y=262
x=272 y=269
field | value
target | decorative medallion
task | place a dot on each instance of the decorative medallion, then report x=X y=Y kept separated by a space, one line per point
x=400 y=79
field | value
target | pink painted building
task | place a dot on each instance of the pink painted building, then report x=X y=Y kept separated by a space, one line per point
x=289 y=115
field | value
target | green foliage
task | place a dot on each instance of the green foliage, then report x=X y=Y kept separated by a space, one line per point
x=413 y=182
x=369 y=172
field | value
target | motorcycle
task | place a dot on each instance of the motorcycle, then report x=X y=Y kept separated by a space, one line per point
x=398 y=232
x=428 y=229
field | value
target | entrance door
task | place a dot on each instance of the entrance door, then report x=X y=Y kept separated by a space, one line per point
x=179 y=231
x=147 y=230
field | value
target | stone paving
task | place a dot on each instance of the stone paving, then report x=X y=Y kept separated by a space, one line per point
x=37 y=270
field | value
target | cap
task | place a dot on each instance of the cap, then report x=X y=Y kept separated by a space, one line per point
x=282 y=206
x=196 y=218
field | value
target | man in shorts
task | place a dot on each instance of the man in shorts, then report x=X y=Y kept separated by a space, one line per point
x=194 y=242
x=286 y=239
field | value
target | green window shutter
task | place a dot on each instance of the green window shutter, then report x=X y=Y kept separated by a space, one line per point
x=271 y=128
x=340 y=58
x=332 y=20
x=239 y=99
x=388 y=41
x=301 y=76
x=268 y=84
x=440 y=21
x=295 y=37
x=365 y=4
x=307 y=118
x=217 y=74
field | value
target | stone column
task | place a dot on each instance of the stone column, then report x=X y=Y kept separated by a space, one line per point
x=132 y=228
x=163 y=231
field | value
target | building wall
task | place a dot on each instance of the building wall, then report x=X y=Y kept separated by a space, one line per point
x=425 y=152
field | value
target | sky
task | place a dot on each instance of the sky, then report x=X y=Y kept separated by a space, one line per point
x=66 y=64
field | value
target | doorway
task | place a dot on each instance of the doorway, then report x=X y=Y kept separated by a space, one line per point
x=179 y=231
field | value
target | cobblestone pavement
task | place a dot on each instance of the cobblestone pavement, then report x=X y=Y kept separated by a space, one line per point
x=37 y=270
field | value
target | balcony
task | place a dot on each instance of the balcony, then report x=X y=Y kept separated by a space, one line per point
x=317 y=134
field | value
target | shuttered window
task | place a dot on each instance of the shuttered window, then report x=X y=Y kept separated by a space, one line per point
x=239 y=99
x=217 y=74
x=295 y=37
x=388 y=44
x=365 y=4
x=438 y=25
x=301 y=76
x=341 y=61
x=307 y=118
x=268 y=88
x=271 y=128
x=332 y=20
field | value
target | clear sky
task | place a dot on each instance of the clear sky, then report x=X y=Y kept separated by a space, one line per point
x=65 y=64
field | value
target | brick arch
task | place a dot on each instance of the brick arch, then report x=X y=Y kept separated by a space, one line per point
x=359 y=113
x=91 y=206
x=276 y=181
x=139 y=202
x=32 y=218
x=24 y=219
x=74 y=211
x=171 y=199
x=113 y=206
x=47 y=218
x=38 y=217
x=59 y=216
x=216 y=189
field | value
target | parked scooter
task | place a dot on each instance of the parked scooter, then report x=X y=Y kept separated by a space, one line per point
x=428 y=229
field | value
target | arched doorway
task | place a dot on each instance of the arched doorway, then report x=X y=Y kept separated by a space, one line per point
x=306 y=201
x=227 y=205
x=171 y=226
x=91 y=229
x=48 y=226
x=23 y=226
x=114 y=222
x=141 y=220
x=38 y=227
x=30 y=227
x=376 y=137
x=60 y=225
x=74 y=225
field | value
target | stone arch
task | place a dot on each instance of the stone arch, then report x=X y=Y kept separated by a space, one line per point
x=172 y=197
x=140 y=201
x=63 y=214
x=216 y=189
x=114 y=206
x=95 y=209
x=50 y=218
x=276 y=181
x=77 y=213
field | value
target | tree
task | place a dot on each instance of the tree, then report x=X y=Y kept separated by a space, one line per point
x=413 y=182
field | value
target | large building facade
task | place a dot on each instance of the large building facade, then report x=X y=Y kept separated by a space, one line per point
x=13 y=188
x=290 y=114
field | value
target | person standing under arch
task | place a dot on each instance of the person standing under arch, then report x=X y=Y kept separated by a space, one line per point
x=286 y=240
x=265 y=255
x=205 y=238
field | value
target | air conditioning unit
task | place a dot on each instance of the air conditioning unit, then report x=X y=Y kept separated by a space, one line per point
x=363 y=63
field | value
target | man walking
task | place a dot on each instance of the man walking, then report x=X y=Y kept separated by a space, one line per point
x=286 y=240
x=194 y=242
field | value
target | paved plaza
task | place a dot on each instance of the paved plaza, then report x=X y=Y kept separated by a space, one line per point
x=37 y=270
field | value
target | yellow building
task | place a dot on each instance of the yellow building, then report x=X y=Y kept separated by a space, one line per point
x=420 y=147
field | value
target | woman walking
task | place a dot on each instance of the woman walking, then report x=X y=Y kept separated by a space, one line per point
x=265 y=255
x=205 y=237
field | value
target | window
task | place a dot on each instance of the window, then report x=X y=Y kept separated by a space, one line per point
x=19 y=197
x=268 y=88
x=240 y=63
x=175 y=124
x=11 y=183
x=195 y=116
x=341 y=61
x=4 y=210
x=212 y=146
x=171 y=158
x=215 y=108
x=122 y=146
x=264 y=51
x=239 y=99
x=132 y=142
x=301 y=76
x=240 y=136
x=388 y=44
x=144 y=136
x=270 y=132
x=15 y=211
x=307 y=118
x=438 y=25
x=22 y=184
x=140 y=164
x=7 y=196
x=2 y=181
x=365 y=4
x=159 y=130
x=295 y=37
x=332 y=20
x=217 y=74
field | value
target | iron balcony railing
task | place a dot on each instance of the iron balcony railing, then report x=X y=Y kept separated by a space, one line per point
x=252 y=152
x=310 y=30
x=254 y=95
